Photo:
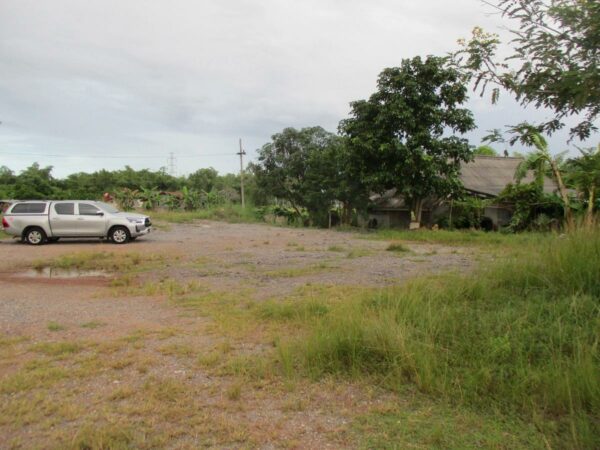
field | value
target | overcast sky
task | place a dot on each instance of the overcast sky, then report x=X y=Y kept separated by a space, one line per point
x=86 y=85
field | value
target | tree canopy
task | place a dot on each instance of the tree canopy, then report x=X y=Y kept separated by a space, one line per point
x=485 y=150
x=37 y=182
x=405 y=135
x=555 y=59
x=305 y=168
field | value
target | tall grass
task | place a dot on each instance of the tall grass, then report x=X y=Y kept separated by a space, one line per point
x=521 y=335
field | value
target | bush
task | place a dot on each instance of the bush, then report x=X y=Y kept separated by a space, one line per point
x=534 y=210
x=467 y=213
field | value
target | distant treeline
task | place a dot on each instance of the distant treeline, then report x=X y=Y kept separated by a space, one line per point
x=37 y=182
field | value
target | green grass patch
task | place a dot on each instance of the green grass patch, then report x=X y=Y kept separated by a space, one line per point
x=9 y=341
x=57 y=348
x=459 y=237
x=100 y=261
x=36 y=374
x=291 y=310
x=397 y=247
x=228 y=213
x=53 y=326
x=174 y=349
x=108 y=436
x=293 y=272
x=92 y=325
x=520 y=336
x=358 y=253
x=170 y=287
x=423 y=424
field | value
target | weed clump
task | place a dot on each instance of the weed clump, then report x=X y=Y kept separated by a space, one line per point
x=397 y=247
x=54 y=326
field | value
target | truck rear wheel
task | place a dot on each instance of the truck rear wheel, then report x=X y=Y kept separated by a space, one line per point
x=35 y=236
x=119 y=235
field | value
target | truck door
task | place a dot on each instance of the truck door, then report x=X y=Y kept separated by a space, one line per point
x=63 y=221
x=91 y=220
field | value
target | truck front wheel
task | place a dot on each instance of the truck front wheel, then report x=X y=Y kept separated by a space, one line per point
x=35 y=236
x=119 y=235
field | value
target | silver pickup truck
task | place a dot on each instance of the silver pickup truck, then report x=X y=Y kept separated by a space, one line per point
x=38 y=222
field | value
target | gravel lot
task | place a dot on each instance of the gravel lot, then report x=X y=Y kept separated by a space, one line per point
x=268 y=262
x=151 y=341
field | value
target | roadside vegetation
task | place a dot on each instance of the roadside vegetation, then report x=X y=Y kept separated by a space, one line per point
x=519 y=336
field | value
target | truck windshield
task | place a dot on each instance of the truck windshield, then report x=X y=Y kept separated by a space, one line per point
x=107 y=208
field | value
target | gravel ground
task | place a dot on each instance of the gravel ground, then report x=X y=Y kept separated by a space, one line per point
x=268 y=262
x=259 y=261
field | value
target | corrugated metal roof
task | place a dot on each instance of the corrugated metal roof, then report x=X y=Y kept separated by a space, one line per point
x=489 y=175
x=485 y=175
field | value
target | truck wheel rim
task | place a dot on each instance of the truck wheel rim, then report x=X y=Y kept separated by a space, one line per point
x=35 y=237
x=119 y=236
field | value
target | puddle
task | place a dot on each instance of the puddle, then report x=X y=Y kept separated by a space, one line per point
x=55 y=273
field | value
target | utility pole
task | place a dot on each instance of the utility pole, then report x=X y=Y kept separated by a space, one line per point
x=242 y=153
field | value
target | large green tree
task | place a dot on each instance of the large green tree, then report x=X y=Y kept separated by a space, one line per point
x=405 y=135
x=304 y=168
x=553 y=61
x=203 y=179
x=35 y=183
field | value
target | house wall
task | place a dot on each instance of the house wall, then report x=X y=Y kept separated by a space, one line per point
x=500 y=216
x=392 y=219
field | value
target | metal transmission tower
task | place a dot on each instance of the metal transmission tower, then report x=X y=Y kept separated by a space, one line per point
x=242 y=153
x=171 y=164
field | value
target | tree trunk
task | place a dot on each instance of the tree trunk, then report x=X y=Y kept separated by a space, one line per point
x=418 y=210
x=589 y=214
x=345 y=219
x=570 y=223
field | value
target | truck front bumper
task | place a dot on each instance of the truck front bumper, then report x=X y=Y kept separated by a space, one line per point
x=140 y=230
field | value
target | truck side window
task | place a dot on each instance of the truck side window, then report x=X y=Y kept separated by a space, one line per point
x=29 y=208
x=85 y=209
x=65 y=208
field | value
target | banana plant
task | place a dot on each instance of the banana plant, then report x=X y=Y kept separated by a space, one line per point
x=126 y=198
x=172 y=202
x=150 y=197
x=191 y=199
x=584 y=173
